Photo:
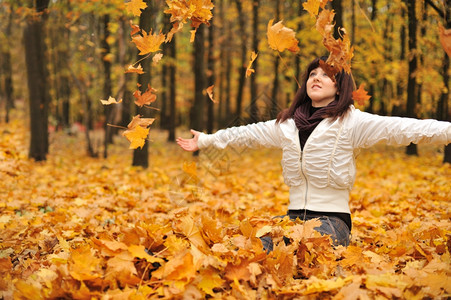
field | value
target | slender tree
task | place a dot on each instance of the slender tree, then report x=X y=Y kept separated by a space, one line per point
x=7 y=66
x=107 y=89
x=141 y=155
x=197 y=112
x=172 y=89
x=37 y=75
x=243 y=54
x=253 y=80
x=211 y=75
x=413 y=65
x=275 y=86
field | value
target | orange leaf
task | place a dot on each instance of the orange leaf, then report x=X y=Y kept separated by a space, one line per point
x=140 y=252
x=249 y=71
x=360 y=95
x=136 y=136
x=134 y=7
x=135 y=29
x=138 y=121
x=445 y=39
x=312 y=6
x=146 y=98
x=110 y=100
x=138 y=69
x=147 y=43
x=209 y=91
x=198 y=11
x=281 y=37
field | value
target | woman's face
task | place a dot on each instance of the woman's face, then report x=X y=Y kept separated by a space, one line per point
x=320 y=88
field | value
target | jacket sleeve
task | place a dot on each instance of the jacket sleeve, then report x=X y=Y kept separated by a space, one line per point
x=369 y=129
x=262 y=134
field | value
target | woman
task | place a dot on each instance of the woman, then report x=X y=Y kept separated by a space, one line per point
x=320 y=134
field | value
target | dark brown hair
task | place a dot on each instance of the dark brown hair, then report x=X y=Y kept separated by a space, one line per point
x=345 y=87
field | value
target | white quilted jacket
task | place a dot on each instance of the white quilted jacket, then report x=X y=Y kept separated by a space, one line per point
x=321 y=176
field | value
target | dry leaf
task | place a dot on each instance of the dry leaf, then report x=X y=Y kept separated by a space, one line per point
x=110 y=100
x=135 y=6
x=281 y=37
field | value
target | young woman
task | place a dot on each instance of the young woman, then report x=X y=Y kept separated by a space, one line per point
x=319 y=135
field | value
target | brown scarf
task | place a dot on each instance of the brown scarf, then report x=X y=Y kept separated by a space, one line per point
x=306 y=123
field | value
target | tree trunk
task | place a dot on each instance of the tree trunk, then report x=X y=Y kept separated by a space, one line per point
x=211 y=77
x=253 y=113
x=172 y=90
x=141 y=155
x=107 y=90
x=397 y=110
x=297 y=58
x=37 y=81
x=337 y=6
x=242 y=68
x=372 y=88
x=413 y=63
x=197 y=113
x=164 y=76
x=7 y=70
x=275 y=85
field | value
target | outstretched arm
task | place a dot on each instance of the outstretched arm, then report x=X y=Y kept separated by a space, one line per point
x=189 y=144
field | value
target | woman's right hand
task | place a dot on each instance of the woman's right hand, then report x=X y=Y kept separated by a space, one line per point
x=189 y=144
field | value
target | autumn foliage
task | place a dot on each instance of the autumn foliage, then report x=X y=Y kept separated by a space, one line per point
x=83 y=228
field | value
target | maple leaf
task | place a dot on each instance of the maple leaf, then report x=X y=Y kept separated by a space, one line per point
x=210 y=280
x=156 y=58
x=445 y=39
x=281 y=37
x=360 y=95
x=198 y=11
x=138 y=69
x=249 y=71
x=140 y=252
x=110 y=100
x=147 y=43
x=146 y=98
x=312 y=6
x=134 y=7
x=136 y=136
x=209 y=91
x=138 y=121
x=135 y=29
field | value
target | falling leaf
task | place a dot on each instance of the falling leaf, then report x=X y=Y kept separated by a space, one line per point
x=249 y=71
x=135 y=29
x=138 y=69
x=209 y=91
x=198 y=11
x=136 y=136
x=360 y=95
x=312 y=6
x=146 y=98
x=135 y=6
x=138 y=121
x=147 y=43
x=281 y=37
x=110 y=100
x=156 y=58
x=445 y=38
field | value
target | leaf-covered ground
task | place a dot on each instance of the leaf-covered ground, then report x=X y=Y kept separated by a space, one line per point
x=78 y=228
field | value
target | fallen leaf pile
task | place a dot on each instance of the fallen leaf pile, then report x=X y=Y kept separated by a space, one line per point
x=76 y=227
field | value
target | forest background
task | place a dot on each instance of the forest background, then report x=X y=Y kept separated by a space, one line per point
x=61 y=58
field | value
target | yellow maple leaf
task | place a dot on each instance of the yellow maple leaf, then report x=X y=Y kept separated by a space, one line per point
x=110 y=100
x=140 y=252
x=134 y=7
x=138 y=69
x=147 y=43
x=136 y=136
x=281 y=37
x=210 y=279
x=249 y=71
x=312 y=6
x=198 y=11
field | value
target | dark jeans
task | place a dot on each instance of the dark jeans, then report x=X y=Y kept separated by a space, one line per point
x=330 y=225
